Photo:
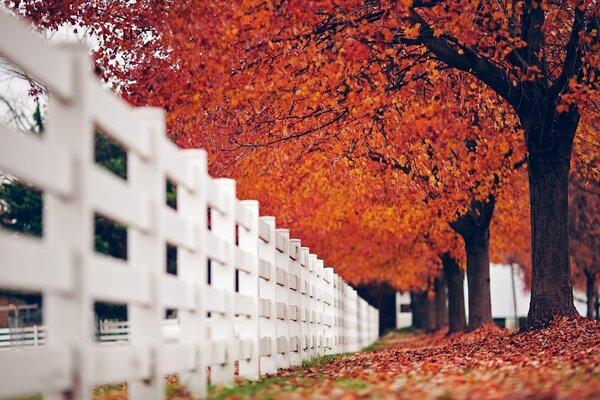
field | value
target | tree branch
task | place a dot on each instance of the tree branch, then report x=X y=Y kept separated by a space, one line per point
x=466 y=59
x=572 y=61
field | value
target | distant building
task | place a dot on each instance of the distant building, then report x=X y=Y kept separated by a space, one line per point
x=503 y=299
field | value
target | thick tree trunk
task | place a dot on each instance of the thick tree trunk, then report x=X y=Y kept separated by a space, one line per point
x=590 y=280
x=551 y=287
x=474 y=227
x=441 y=299
x=457 y=321
x=478 y=280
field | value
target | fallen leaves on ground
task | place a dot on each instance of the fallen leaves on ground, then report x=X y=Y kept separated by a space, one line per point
x=559 y=362
x=562 y=361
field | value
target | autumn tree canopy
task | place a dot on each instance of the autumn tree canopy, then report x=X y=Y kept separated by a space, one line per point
x=440 y=90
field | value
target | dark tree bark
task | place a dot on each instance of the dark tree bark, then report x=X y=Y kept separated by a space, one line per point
x=441 y=299
x=551 y=286
x=591 y=295
x=430 y=313
x=474 y=228
x=597 y=306
x=383 y=297
x=457 y=321
x=549 y=135
x=418 y=306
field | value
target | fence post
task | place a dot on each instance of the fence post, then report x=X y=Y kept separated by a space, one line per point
x=319 y=291
x=282 y=259
x=342 y=311
x=336 y=314
x=295 y=303
x=192 y=266
x=248 y=281
x=304 y=303
x=223 y=278
x=312 y=266
x=147 y=253
x=360 y=319
x=349 y=319
x=266 y=290
x=375 y=327
x=69 y=223
x=376 y=324
x=328 y=312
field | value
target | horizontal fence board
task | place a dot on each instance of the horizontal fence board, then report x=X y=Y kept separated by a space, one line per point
x=46 y=166
x=218 y=352
x=294 y=343
x=265 y=308
x=214 y=197
x=113 y=198
x=243 y=260
x=177 y=293
x=32 y=371
x=216 y=248
x=264 y=268
x=244 y=304
x=281 y=242
x=294 y=250
x=264 y=349
x=178 y=230
x=113 y=364
x=176 y=167
x=293 y=313
x=114 y=280
x=282 y=345
x=31 y=264
x=242 y=216
x=177 y=358
x=264 y=232
x=215 y=300
x=281 y=310
x=116 y=119
x=245 y=349
x=51 y=66
x=281 y=276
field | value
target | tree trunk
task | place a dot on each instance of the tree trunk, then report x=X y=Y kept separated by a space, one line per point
x=478 y=280
x=418 y=310
x=423 y=311
x=383 y=297
x=590 y=280
x=387 y=307
x=430 y=325
x=457 y=321
x=441 y=298
x=551 y=287
x=474 y=228
x=597 y=306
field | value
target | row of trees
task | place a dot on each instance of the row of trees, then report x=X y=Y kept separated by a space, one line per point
x=408 y=126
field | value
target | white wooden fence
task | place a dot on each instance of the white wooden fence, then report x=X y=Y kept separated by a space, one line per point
x=287 y=308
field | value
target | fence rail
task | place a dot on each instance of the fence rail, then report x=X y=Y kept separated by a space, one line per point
x=244 y=291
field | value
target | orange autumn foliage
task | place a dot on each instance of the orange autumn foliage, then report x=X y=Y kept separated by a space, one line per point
x=343 y=80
